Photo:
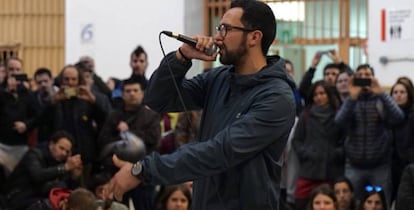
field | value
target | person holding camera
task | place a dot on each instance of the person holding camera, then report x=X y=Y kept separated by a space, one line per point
x=17 y=119
x=76 y=110
x=330 y=73
x=368 y=115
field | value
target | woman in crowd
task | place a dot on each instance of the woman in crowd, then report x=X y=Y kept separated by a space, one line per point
x=402 y=93
x=344 y=193
x=323 y=198
x=316 y=142
x=373 y=198
x=175 y=197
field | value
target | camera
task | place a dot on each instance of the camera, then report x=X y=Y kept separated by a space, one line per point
x=362 y=82
x=21 y=77
x=71 y=92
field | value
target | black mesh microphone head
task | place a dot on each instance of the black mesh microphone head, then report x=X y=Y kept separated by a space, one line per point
x=130 y=148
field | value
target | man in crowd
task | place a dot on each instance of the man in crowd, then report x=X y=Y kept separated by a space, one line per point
x=42 y=169
x=367 y=115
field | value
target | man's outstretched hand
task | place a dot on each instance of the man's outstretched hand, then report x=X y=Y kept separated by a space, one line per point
x=123 y=180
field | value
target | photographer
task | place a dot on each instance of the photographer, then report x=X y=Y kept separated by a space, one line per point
x=330 y=73
x=77 y=111
x=17 y=119
x=368 y=114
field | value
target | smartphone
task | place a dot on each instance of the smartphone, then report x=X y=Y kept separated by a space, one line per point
x=21 y=77
x=323 y=52
x=362 y=82
x=71 y=92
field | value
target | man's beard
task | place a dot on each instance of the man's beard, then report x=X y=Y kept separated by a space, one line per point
x=234 y=57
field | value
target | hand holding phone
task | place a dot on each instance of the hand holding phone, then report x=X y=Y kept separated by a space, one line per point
x=362 y=82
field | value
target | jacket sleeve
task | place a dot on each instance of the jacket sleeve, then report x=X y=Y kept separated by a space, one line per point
x=405 y=198
x=393 y=112
x=109 y=132
x=299 y=137
x=37 y=172
x=267 y=122
x=345 y=113
x=306 y=83
x=161 y=94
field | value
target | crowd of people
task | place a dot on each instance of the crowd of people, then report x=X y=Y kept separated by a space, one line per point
x=56 y=132
x=348 y=128
x=350 y=147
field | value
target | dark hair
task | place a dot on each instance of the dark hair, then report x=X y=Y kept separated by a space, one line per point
x=410 y=92
x=366 y=195
x=346 y=180
x=138 y=51
x=258 y=15
x=57 y=135
x=98 y=180
x=83 y=66
x=80 y=77
x=82 y=199
x=365 y=66
x=331 y=66
x=333 y=101
x=324 y=189
x=41 y=71
x=136 y=79
x=343 y=179
x=289 y=62
x=348 y=72
x=168 y=191
x=406 y=80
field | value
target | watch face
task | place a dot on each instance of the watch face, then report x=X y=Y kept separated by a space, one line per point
x=136 y=169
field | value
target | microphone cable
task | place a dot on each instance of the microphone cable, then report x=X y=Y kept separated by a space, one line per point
x=185 y=110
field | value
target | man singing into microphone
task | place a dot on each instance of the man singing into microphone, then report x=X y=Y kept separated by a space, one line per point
x=248 y=111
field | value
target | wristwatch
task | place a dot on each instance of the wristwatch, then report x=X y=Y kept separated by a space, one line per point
x=136 y=169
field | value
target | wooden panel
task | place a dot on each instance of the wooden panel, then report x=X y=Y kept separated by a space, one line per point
x=35 y=28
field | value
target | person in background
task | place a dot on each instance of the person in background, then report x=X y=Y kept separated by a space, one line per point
x=405 y=196
x=81 y=199
x=175 y=197
x=342 y=83
x=43 y=102
x=330 y=73
x=42 y=169
x=322 y=198
x=298 y=99
x=317 y=142
x=367 y=116
x=114 y=84
x=98 y=84
x=344 y=193
x=403 y=133
x=373 y=198
x=3 y=74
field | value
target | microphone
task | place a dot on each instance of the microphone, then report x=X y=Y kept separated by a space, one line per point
x=190 y=41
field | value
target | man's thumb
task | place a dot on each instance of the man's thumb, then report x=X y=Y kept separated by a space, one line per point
x=117 y=162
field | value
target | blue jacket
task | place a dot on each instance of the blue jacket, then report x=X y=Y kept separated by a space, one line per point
x=244 y=128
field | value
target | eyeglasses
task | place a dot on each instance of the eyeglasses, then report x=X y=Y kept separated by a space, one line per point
x=370 y=188
x=223 y=28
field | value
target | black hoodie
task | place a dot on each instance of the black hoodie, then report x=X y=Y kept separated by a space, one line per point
x=244 y=128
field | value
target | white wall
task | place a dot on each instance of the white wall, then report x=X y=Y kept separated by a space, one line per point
x=118 y=27
x=392 y=48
